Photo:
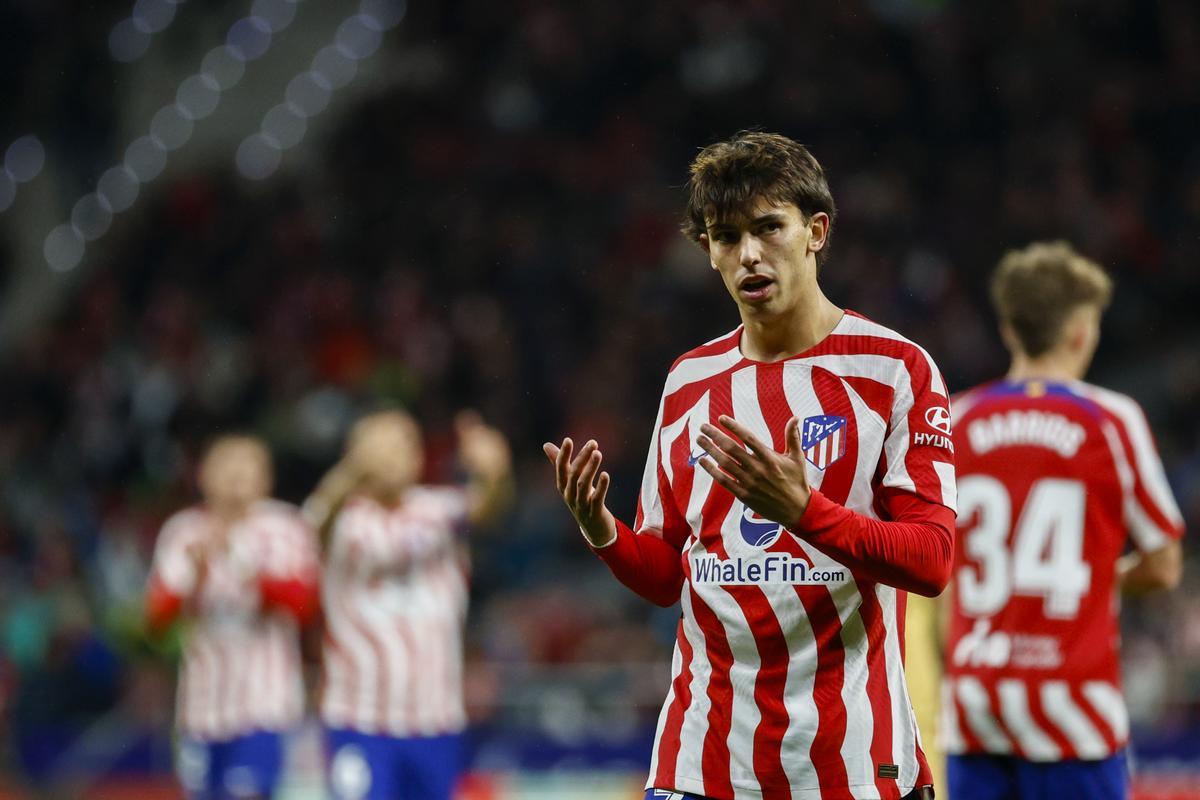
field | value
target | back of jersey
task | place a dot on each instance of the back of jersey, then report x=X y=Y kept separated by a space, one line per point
x=1051 y=480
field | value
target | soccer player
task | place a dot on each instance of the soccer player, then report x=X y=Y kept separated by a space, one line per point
x=241 y=569
x=1054 y=474
x=799 y=482
x=395 y=597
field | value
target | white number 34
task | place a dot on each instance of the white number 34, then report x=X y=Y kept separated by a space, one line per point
x=1046 y=559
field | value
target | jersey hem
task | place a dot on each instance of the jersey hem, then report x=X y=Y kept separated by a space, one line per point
x=696 y=786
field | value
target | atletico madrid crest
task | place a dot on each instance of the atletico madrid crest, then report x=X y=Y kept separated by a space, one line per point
x=823 y=439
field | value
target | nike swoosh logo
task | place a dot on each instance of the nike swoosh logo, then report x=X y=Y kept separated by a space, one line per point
x=693 y=459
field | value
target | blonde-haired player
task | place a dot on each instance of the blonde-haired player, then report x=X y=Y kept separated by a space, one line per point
x=395 y=597
x=241 y=570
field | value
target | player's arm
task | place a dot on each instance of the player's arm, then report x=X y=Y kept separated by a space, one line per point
x=1140 y=573
x=326 y=501
x=1151 y=514
x=913 y=550
x=643 y=561
x=485 y=454
x=176 y=574
x=289 y=581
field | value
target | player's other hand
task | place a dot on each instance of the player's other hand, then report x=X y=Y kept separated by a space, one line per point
x=483 y=450
x=582 y=489
x=770 y=483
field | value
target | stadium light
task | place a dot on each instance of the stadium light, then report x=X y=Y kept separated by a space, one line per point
x=309 y=92
x=130 y=38
x=23 y=160
x=197 y=96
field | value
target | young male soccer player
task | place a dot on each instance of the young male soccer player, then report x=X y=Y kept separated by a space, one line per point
x=1054 y=473
x=799 y=481
x=395 y=597
x=242 y=570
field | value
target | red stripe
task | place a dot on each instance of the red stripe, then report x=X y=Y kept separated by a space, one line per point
x=836 y=485
x=1038 y=714
x=1089 y=710
x=681 y=688
x=825 y=753
x=973 y=744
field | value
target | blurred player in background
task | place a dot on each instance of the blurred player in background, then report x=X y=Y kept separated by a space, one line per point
x=1054 y=474
x=241 y=570
x=395 y=597
x=800 y=480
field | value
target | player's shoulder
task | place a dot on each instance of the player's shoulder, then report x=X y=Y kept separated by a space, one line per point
x=279 y=514
x=860 y=335
x=442 y=499
x=1120 y=407
x=704 y=361
x=186 y=522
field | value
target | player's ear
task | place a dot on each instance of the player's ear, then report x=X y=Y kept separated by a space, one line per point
x=704 y=243
x=818 y=231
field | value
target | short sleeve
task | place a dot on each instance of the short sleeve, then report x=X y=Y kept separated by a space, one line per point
x=173 y=566
x=918 y=451
x=1150 y=512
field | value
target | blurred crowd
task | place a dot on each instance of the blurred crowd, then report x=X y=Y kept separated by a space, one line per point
x=499 y=231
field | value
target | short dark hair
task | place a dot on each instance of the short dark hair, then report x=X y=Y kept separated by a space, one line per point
x=1036 y=288
x=728 y=177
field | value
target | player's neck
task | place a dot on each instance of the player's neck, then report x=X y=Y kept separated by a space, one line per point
x=794 y=331
x=1053 y=367
x=229 y=512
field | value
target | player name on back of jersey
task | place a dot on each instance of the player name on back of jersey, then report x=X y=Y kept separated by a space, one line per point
x=1026 y=429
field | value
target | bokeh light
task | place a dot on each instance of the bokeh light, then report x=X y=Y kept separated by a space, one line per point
x=24 y=159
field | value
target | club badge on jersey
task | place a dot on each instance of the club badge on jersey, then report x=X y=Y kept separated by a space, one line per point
x=823 y=439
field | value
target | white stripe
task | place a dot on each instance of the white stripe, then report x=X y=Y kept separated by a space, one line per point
x=905 y=735
x=1014 y=708
x=865 y=327
x=860 y=717
x=949 y=735
x=1070 y=719
x=789 y=612
x=945 y=473
x=1110 y=705
x=676 y=669
x=977 y=710
x=1148 y=466
x=695 y=370
x=695 y=716
x=651 y=503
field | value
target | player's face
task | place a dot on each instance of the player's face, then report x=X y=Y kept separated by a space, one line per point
x=388 y=451
x=767 y=256
x=235 y=473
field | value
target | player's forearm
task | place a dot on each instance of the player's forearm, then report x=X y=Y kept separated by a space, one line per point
x=163 y=606
x=914 y=553
x=330 y=495
x=644 y=563
x=298 y=597
x=1141 y=573
x=489 y=498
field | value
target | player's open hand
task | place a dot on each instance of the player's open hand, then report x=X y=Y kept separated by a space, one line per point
x=582 y=489
x=772 y=484
x=483 y=450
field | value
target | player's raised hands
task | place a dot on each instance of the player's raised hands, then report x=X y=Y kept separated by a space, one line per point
x=771 y=483
x=582 y=489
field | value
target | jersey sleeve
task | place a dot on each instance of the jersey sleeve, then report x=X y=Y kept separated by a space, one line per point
x=1150 y=512
x=918 y=452
x=173 y=568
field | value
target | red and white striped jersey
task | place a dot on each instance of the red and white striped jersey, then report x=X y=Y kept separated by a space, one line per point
x=395 y=594
x=1052 y=478
x=788 y=676
x=241 y=668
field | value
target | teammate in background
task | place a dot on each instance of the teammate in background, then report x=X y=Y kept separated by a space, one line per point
x=395 y=597
x=1054 y=473
x=241 y=569
x=799 y=482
